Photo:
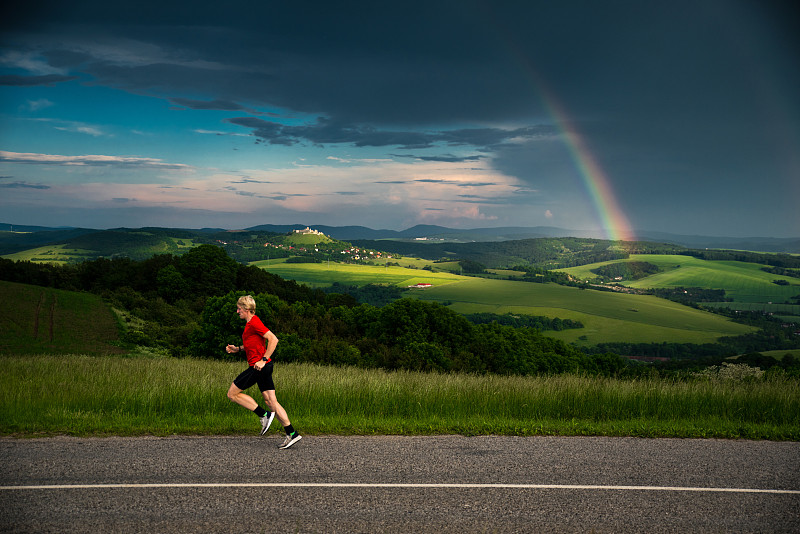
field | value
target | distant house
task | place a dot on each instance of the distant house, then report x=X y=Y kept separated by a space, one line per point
x=420 y=286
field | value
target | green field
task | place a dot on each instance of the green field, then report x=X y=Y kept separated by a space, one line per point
x=56 y=254
x=743 y=282
x=606 y=316
x=61 y=254
x=326 y=273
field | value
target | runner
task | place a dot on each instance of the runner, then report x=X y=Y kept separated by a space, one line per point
x=258 y=343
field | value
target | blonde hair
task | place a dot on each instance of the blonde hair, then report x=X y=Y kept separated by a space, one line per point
x=247 y=302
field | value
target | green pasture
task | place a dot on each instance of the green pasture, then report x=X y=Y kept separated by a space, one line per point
x=325 y=274
x=62 y=253
x=606 y=316
x=56 y=254
x=743 y=282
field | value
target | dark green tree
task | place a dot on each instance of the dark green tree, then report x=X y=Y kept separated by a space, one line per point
x=208 y=270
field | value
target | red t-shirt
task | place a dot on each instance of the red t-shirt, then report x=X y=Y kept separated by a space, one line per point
x=255 y=345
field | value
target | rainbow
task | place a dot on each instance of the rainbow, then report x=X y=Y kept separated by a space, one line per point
x=613 y=220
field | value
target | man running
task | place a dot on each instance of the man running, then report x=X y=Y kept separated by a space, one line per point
x=259 y=343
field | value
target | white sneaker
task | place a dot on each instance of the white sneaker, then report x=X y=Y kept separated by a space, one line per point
x=290 y=440
x=266 y=421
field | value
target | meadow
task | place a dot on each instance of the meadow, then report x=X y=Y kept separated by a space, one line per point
x=325 y=273
x=61 y=254
x=55 y=254
x=606 y=316
x=84 y=395
x=743 y=282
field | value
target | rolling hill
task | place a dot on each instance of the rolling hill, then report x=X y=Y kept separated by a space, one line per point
x=606 y=316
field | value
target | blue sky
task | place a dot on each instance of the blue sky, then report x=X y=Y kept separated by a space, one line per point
x=389 y=115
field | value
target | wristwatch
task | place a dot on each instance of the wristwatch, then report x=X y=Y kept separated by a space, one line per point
x=264 y=358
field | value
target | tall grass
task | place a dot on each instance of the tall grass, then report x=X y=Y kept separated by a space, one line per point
x=129 y=396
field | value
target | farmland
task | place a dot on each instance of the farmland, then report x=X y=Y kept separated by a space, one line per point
x=744 y=283
x=324 y=274
x=606 y=316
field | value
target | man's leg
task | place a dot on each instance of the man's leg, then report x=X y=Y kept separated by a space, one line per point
x=292 y=436
x=242 y=399
x=275 y=406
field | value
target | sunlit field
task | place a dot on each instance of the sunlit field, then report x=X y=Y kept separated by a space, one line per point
x=743 y=282
x=324 y=274
x=607 y=317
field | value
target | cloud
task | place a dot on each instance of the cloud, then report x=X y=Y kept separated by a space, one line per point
x=36 y=105
x=326 y=131
x=74 y=127
x=27 y=81
x=82 y=128
x=217 y=132
x=250 y=181
x=221 y=105
x=456 y=183
x=88 y=160
x=23 y=185
x=449 y=158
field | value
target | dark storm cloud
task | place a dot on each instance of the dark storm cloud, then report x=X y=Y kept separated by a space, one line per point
x=370 y=63
x=445 y=158
x=221 y=105
x=680 y=103
x=28 y=81
x=22 y=185
x=326 y=131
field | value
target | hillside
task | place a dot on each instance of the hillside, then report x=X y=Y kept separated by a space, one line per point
x=747 y=286
x=39 y=320
x=549 y=253
x=606 y=316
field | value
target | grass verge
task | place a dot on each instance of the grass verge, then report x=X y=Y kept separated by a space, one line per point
x=86 y=395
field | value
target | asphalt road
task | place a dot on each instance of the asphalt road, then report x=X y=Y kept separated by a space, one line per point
x=398 y=484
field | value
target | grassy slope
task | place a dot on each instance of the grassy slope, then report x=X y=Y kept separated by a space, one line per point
x=744 y=282
x=324 y=274
x=56 y=254
x=82 y=323
x=606 y=316
x=63 y=253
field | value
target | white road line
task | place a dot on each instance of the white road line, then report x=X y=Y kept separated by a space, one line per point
x=398 y=485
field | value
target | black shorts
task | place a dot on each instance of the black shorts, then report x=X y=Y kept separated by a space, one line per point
x=250 y=376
